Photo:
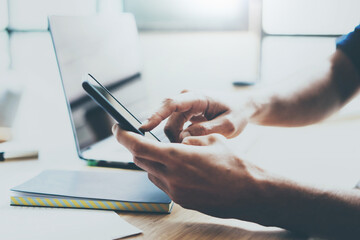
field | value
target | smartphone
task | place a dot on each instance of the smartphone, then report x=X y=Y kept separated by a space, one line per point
x=113 y=107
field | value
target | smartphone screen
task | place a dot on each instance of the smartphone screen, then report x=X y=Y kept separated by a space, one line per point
x=110 y=104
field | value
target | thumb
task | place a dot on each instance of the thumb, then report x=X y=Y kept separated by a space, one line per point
x=222 y=125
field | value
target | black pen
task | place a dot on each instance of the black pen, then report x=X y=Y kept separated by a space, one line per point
x=14 y=155
x=243 y=83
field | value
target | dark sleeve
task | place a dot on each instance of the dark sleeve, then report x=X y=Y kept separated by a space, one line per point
x=350 y=45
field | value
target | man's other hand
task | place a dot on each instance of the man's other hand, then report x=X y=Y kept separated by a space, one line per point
x=207 y=114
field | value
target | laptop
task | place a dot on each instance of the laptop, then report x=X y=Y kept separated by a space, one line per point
x=106 y=47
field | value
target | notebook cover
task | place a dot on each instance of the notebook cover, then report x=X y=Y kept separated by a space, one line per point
x=38 y=200
x=123 y=185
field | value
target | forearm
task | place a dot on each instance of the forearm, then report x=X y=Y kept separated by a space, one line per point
x=307 y=100
x=310 y=211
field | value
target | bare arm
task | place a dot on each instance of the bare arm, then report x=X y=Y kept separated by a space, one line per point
x=309 y=99
x=334 y=214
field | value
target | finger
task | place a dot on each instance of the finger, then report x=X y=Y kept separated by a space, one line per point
x=175 y=125
x=140 y=146
x=181 y=103
x=154 y=168
x=198 y=118
x=158 y=182
x=195 y=141
x=203 y=140
x=222 y=125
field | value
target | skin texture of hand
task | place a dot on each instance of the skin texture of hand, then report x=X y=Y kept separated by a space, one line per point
x=201 y=173
x=207 y=114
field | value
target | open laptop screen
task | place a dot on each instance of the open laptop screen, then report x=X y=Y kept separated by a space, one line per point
x=108 y=48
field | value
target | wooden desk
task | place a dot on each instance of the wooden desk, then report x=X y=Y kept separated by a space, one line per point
x=188 y=224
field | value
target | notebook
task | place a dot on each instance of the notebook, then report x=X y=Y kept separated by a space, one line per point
x=122 y=190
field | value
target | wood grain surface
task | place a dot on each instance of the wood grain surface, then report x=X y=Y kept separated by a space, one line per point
x=189 y=224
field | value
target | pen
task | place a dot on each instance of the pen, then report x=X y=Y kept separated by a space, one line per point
x=14 y=155
x=243 y=83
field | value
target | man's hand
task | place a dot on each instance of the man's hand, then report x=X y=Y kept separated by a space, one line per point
x=202 y=173
x=207 y=115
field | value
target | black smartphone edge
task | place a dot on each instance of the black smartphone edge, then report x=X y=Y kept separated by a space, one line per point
x=107 y=107
x=95 y=95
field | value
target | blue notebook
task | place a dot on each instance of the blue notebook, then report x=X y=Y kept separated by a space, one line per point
x=123 y=190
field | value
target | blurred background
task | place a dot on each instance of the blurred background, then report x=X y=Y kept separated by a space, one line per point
x=229 y=29
x=184 y=44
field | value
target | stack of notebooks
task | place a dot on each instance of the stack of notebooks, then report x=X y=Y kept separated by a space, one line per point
x=119 y=191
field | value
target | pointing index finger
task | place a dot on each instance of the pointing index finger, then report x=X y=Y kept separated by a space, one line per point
x=181 y=103
x=169 y=106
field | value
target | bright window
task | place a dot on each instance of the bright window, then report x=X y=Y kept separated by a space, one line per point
x=3 y=14
x=189 y=14
x=32 y=15
x=319 y=17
